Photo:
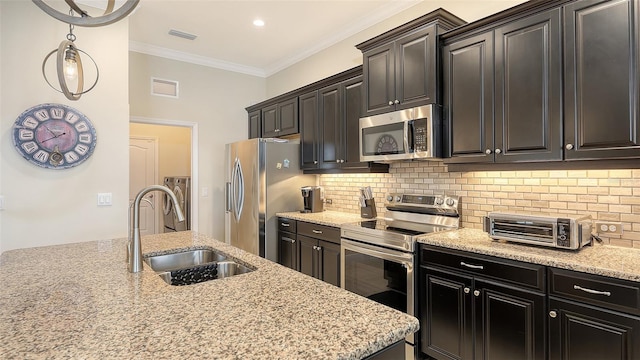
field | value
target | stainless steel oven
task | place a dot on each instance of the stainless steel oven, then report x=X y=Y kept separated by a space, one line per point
x=378 y=257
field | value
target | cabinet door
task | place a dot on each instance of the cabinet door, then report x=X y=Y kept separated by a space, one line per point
x=255 y=124
x=468 y=98
x=270 y=121
x=528 y=60
x=353 y=112
x=308 y=256
x=446 y=314
x=288 y=250
x=509 y=323
x=379 y=84
x=330 y=262
x=288 y=117
x=415 y=78
x=309 y=130
x=578 y=332
x=330 y=125
x=601 y=79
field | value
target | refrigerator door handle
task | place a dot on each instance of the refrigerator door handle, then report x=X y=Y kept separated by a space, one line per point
x=238 y=189
x=227 y=196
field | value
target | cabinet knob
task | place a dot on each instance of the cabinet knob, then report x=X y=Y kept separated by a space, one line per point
x=390 y=102
x=318 y=248
x=553 y=314
x=488 y=151
x=397 y=102
x=466 y=290
x=476 y=292
x=277 y=130
x=315 y=162
x=316 y=231
x=569 y=147
x=498 y=151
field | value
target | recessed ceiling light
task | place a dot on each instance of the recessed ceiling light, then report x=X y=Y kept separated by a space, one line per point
x=182 y=34
x=258 y=22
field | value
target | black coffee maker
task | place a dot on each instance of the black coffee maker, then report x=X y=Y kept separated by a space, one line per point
x=313 y=199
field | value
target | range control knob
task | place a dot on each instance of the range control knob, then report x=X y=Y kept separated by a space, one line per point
x=450 y=202
x=439 y=201
x=398 y=198
x=389 y=198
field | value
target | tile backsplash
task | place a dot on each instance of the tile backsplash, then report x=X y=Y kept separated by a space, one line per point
x=606 y=195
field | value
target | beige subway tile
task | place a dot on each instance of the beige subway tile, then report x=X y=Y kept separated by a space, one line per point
x=558 y=189
x=493 y=201
x=523 y=202
x=549 y=197
x=515 y=195
x=597 y=207
x=587 y=198
x=508 y=188
x=631 y=236
x=540 y=189
x=598 y=190
x=630 y=200
x=577 y=206
x=494 y=188
x=636 y=173
x=603 y=174
x=609 y=199
x=540 y=204
x=540 y=174
x=623 y=209
x=550 y=182
x=557 y=205
x=567 y=197
x=608 y=216
x=500 y=195
x=508 y=202
x=532 y=181
x=528 y=196
x=507 y=174
x=609 y=182
x=621 y=242
x=501 y=181
x=621 y=174
x=516 y=181
x=523 y=174
x=588 y=182
x=577 y=173
x=558 y=174
x=568 y=182
x=630 y=182
x=621 y=191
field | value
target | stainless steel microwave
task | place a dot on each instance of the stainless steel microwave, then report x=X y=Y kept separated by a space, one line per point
x=558 y=231
x=414 y=133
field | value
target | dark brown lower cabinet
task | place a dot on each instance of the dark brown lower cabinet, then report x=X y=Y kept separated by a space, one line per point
x=320 y=259
x=583 y=332
x=473 y=315
x=288 y=250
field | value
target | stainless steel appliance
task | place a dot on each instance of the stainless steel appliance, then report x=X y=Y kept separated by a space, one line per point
x=414 y=133
x=263 y=177
x=313 y=198
x=552 y=230
x=378 y=257
x=181 y=187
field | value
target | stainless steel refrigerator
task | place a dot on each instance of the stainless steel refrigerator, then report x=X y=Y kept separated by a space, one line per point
x=263 y=177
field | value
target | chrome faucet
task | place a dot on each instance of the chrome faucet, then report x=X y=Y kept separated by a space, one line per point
x=134 y=248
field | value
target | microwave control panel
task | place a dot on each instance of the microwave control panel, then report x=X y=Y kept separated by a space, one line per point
x=420 y=135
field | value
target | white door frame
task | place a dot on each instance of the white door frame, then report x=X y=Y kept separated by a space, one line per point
x=194 y=158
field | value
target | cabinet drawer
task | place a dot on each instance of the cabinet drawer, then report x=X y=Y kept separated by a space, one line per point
x=288 y=225
x=323 y=232
x=606 y=292
x=516 y=272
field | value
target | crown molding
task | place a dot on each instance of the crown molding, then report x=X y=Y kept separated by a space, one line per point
x=154 y=50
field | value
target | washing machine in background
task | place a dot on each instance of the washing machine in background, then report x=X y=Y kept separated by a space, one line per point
x=181 y=187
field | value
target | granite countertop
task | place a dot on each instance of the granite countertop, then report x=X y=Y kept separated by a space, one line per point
x=329 y=218
x=605 y=260
x=79 y=301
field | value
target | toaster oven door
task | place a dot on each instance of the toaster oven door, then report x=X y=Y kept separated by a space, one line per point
x=535 y=232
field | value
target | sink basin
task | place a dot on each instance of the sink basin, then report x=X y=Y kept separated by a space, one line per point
x=186 y=267
x=183 y=259
x=206 y=272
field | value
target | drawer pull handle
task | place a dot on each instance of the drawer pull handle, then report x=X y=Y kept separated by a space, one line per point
x=285 y=224
x=605 y=293
x=317 y=231
x=289 y=240
x=479 y=267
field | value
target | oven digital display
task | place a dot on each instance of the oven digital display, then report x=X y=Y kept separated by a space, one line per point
x=417 y=199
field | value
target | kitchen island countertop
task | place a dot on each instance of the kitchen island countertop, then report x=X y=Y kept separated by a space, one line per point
x=328 y=218
x=79 y=301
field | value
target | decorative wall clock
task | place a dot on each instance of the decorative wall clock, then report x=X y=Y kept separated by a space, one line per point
x=386 y=145
x=54 y=136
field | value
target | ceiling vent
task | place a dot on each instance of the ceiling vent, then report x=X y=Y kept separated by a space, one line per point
x=162 y=87
x=182 y=34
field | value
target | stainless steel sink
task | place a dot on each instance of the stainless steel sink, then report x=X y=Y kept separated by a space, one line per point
x=186 y=267
x=183 y=259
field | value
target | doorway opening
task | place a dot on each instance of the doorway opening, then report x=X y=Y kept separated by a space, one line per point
x=163 y=150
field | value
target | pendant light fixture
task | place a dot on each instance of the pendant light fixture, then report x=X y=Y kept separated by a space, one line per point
x=68 y=62
x=69 y=67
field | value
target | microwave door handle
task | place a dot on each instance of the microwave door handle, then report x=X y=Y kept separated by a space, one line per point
x=409 y=136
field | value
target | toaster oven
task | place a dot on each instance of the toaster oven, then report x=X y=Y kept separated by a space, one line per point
x=558 y=231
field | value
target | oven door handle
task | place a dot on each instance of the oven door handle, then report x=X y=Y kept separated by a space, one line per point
x=392 y=255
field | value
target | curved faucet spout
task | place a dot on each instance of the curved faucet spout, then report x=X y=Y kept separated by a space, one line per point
x=134 y=248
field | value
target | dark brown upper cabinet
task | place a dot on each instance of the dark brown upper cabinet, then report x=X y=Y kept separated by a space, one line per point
x=280 y=119
x=601 y=80
x=255 y=124
x=502 y=92
x=309 y=130
x=401 y=67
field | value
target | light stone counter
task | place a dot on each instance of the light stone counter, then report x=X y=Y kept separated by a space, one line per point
x=78 y=301
x=329 y=218
x=605 y=260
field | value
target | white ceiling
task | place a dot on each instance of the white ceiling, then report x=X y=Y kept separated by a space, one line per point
x=294 y=30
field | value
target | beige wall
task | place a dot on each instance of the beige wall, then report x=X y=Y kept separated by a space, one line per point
x=607 y=195
x=174 y=148
x=344 y=55
x=215 y=100
x=42 y=206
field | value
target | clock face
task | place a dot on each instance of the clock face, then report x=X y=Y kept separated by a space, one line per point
x=386 y=145
x=54 y=136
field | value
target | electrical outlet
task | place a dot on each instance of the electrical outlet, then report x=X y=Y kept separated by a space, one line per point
x=603 y=227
